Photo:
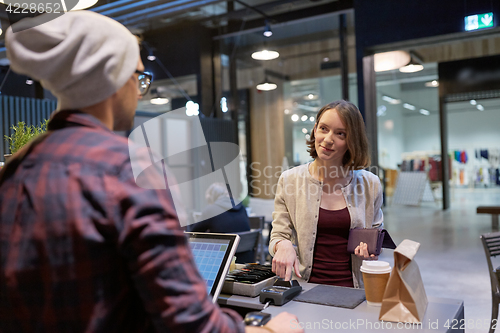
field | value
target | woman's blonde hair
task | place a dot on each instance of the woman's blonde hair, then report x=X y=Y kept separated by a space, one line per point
x=357 y=155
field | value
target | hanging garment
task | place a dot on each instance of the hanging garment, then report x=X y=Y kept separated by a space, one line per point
x=494 y=158
x=484 y=153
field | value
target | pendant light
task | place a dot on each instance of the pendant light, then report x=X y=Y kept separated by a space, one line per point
x=265 y=55
x=387 y=61
x=415 y=64
x=267 y=85
x=267 y=30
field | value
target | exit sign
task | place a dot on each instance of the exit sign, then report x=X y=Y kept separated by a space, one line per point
x=480 y=21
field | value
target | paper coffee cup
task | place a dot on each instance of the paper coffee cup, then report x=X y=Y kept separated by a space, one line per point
x=375 y=276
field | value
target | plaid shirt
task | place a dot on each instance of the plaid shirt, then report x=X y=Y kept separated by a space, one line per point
x=84 y=249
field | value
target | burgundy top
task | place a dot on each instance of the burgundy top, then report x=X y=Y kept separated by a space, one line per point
x=331 y=262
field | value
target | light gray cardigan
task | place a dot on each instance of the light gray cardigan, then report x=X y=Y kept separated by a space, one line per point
x=296 y=208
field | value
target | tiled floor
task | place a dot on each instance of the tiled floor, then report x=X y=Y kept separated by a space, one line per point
x=451 y=256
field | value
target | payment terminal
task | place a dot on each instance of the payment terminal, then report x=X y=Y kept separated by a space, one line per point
x=281 y=292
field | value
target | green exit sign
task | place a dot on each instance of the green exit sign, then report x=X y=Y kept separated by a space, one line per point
x=480 y=21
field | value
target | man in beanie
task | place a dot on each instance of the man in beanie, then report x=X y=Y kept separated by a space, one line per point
x=82 y=247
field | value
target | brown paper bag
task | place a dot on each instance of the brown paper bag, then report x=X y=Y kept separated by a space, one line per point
x=404 y=298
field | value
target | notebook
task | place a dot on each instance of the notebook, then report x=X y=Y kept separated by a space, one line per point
x=213 y=254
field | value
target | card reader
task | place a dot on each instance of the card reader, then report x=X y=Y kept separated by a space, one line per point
x=281 y=292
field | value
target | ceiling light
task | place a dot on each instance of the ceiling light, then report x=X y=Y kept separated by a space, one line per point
x=303 y=118
x=390 y=60
x=158 y=101
x=151 y=57
x=409 y=106
x=265 y=55
x=424 y=112
x=326 y=59
x=267 y=30
x=29 y=82
x=192 y=109
x=473 y=102
x=433 y=83
x=287 y=111
x=267 y=85
x=411 y=68
x=295 y=117
x=311 y=118
x=1 y=31
x=308 y=136
x=480 y=107
x=83 y=4
x=391 y=100
x=304 y=130
x=414 y=65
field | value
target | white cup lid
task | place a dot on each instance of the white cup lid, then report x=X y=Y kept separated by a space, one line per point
x=375 y=267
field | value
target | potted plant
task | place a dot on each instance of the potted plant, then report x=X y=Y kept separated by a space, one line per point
x=22 y=135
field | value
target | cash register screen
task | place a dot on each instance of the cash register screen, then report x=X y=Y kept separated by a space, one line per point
x=213 y=254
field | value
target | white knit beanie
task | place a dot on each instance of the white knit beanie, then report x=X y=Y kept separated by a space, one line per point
x=82 y=57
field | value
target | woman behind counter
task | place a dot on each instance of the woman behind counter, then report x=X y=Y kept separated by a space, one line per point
x=316 y=204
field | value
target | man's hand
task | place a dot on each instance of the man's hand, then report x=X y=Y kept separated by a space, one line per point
x=285 y=322
x=284 y=260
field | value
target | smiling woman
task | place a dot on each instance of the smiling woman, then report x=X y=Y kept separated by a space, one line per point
x=318 y=203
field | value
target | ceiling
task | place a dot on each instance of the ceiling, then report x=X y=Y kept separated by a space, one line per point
x=242 y=18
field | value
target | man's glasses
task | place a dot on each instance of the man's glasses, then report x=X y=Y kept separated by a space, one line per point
x=144 y=82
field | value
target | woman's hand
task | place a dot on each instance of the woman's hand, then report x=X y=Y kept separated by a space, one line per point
x=362 y=252
x=284 y=259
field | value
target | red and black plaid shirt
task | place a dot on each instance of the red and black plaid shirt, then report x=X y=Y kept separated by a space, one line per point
x=84 y=249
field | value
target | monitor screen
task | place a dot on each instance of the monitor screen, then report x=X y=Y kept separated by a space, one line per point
x=213 y=254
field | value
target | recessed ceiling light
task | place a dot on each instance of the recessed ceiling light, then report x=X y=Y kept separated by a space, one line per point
x=480 y=107
x=391 y=100
x=424 y=112
x=473 y=102
x=409 y=106
x=303 y=118
x=295 y=117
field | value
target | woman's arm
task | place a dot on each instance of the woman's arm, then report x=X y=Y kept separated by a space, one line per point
x=378 y=216
x=280 y=246
x=282 y=226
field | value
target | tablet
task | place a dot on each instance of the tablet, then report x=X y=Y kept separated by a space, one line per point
x=213 y=254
